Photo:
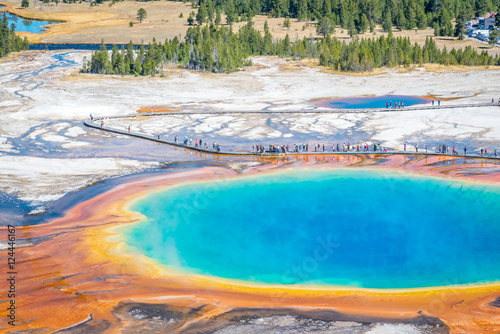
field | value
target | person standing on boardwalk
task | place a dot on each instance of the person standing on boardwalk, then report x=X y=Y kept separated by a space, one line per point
x=465 y=150
x=433 y=103
x=387 y=105
x=495 y=151
x=416 y=148
x=92 y=117
x=425 y=148
x=404 y=148
x=439 y=103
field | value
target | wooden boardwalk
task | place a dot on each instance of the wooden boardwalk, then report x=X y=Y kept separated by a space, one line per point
x=158 y=139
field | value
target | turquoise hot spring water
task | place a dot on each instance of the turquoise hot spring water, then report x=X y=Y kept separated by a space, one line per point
x=341 y=227
x=373 y=102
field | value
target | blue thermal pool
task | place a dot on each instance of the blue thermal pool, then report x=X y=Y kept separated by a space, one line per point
x=372 y=102
x=26 y=25
x=343 y=227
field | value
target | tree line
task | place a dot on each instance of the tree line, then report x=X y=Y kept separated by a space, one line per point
x=356 y=16
x=9 y=41
x=219 y=49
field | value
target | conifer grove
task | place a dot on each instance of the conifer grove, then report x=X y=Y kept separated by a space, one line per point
x=218 y=49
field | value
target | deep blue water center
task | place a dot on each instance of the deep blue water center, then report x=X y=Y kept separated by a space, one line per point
x=363 y=228
x=27 y=25
x=372 y=102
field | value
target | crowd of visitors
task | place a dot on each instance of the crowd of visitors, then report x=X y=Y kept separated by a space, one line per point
x=197 y=143
x=301 y=148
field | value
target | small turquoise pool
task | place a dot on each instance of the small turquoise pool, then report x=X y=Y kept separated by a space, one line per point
x=372 y=102
x=356 y=228
x=26 y=25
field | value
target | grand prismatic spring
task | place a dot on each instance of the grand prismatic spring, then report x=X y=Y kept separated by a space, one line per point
x=404 y=239
x=390 y=230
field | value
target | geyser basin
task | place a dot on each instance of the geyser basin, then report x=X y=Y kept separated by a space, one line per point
x=359 y=228
x=371 y=102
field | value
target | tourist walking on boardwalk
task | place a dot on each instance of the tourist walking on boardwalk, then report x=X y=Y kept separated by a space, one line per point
x=425 y=148
x=465 y=150
x=387 y=105
x=439 y=103
x=92 y=117
x=175 y=139
x=495 y=151
x=433 y=103
x=404 y=148
x=102 y=124
x=416 y=148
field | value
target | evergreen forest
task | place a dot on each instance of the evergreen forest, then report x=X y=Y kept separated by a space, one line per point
x=219 y=49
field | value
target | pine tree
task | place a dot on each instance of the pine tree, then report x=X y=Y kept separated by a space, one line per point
x=202 y=14
x=190 y=19
x=218 y=18
x=459 y=27
x=387 y=25
x=141 y=14
x=286 y=23
x=325 y=27
x=492 y=39
x=210 y=10
x=301 y=10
